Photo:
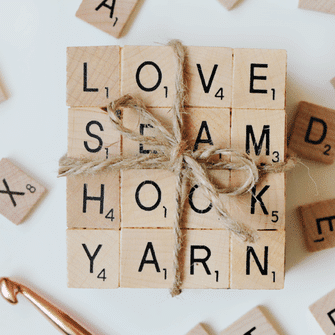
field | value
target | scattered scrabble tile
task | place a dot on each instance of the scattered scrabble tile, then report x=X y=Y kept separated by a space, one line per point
x=197 y=330
x=229 y=4
x=93 y=258
x=327 y=6
x=260 y=265
x=317 y=222
x=252 y=323
x=324 y=312
x=19 y=193
x=108 y=16
x=224 y=109
x=313 y=133
x=93 y=76
x=259 y=78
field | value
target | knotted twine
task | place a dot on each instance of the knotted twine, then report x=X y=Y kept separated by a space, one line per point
x=172 y=153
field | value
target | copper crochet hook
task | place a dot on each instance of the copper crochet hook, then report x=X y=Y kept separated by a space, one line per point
x=10 y=289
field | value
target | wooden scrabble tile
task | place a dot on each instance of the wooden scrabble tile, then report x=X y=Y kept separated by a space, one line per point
x=147 y=198
x=205 y=127
x=198 y=212
x=259 y=78
x=93 y=75
x=258 y=265
x=206 y=258
x=260 y=133
x=210 y=76
x=324 y=312
x=198 y=330
x=93 y=258
x=19 y=193
x=108 y=16
x=252 y=323
x=263 y=208
x=134 y=122
x=313 y=133
x=327 y=6
x=148 y=72
x=93 y=201
x=146 y=258
x=91 y=134
x=229 y=4
x=317 y=222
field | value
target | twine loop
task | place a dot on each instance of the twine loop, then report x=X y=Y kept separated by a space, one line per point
x=172 y=153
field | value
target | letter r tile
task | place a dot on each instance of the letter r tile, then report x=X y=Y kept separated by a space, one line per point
x=318 y=221
x=313 y=133
x=259 y=78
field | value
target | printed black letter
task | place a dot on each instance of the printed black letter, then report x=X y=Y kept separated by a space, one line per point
x=90 y=257
x=144 y=260
x=200 y=260
x=309 y=129
x=263 y=270
x=253 y=78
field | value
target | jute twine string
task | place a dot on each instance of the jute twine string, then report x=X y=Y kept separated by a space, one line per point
x=174 y=155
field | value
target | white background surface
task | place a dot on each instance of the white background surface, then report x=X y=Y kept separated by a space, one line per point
x=34 y=35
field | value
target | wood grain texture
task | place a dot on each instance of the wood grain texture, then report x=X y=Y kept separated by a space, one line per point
x=254 y=322
x=209 y=71
x=19 y=193
x=148 y=72
x=318 y=220
x=257 y=72
x=93 y=76
x=140 y=125
x=198 y=330
x=93 y=201
x=313 y=133
x=148 y=198
x=326 y=6
x=91 y=134
x=93 y=258
x=260 y=133
x=260 y=265
x=108 y=16
x=229 y=4
x=324 y=312
x=264 y=206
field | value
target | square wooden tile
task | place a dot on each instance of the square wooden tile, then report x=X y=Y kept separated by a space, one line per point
x=148 y=198
x=198 y=330
x=263 y=207
x=327 y=6
x=206 y=127
x=313 y=133
x=93 y=76
x=318 y=220
x=93 y=258
x=108 y=16
x=19 y=193
x=324 y=312
x=252 y=323
x=260 y=133
x=148 y=72
x=140 y=125
x=93 y=201
x=206 y=259
x=91 y=134
x=210 y=76
x=259 y=78
x=198 y=211
x=146 y=258
x=259 y=265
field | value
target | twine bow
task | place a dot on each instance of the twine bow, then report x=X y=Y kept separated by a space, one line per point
x=172 y=153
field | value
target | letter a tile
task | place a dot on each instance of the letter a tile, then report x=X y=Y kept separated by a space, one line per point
x=324 y=312
x=109 y=16
x=252 y=323
x=318 y=220
x=313 y=133
x=18 y=192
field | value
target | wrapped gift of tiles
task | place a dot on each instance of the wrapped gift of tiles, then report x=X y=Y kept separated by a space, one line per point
x=122 y=221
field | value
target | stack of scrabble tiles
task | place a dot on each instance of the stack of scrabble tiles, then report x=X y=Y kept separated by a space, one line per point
x=120 y=223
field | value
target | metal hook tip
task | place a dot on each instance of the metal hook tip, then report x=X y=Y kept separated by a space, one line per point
x=9 y=290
